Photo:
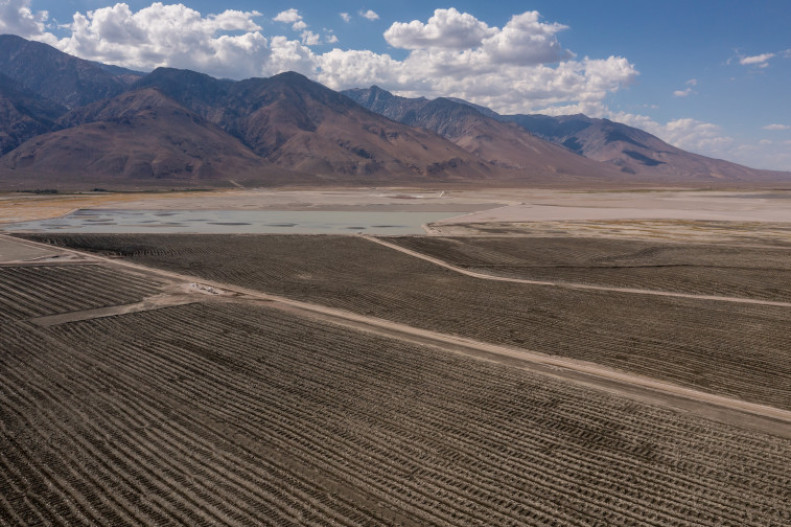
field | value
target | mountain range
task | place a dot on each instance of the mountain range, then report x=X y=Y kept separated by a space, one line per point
x=71 y=123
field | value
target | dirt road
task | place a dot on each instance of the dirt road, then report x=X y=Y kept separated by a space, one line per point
x=570 y=285
x=711 y=406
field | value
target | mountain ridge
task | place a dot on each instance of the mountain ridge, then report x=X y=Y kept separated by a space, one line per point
x=629 y=150
x=63 y=118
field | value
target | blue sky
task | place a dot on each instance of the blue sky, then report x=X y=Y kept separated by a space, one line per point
x=708 y=76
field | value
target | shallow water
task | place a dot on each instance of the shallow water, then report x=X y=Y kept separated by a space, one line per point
x=234 y=221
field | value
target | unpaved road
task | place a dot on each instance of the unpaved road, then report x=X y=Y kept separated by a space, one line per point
x=711 y=406
x=571 y=285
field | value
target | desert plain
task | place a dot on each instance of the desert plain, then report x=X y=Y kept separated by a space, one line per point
x=538 y=357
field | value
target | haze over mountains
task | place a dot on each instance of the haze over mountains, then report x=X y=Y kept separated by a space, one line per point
x=67 y=122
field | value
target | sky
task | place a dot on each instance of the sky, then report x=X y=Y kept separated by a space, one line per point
x=709 y=76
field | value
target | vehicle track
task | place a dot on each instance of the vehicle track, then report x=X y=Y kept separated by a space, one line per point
x=571 y=285
x=719 y=408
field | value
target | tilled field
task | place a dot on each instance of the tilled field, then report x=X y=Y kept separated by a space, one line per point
x=736 y=270
x=735 y=349
x=234 y=414
x=38 y=290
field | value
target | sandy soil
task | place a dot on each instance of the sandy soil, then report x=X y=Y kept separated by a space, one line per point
x=760 y=217
x=667 y=205
x=568 y=285
x=711 y=406
x=485 y=205
x=26 y=207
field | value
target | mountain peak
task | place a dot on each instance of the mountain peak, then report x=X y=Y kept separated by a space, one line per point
x=57 y=76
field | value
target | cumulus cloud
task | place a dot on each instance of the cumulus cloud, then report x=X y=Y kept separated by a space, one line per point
x=687 y=134
x=309 y=38
x=710 y=140
x=369 y=14
x=447 y=28
x=524 y=39
x=224 y=44
x=519 y=68
x=760 y=61
x=346 y=17
x=17 y=18
x=777 y=127
x=688 y=90
x=291 y=16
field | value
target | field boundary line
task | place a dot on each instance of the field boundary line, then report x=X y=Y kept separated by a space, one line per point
x=149 y=304
x=572 y=285
x=720 y=408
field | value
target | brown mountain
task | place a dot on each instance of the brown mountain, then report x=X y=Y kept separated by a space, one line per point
x=623 y=153
x=502 y=144
x=635 y=151
x=304 y=126
x=59 y=77
x=137 y=138
x=23 y=114
x=177 y=127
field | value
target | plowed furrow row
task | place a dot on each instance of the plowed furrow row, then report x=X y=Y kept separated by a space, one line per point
x=132 y=464
x=163 y=460
x=62 y=289
x=296 y=432
x=80 y=483
x=35 y=299
x=395 y=371
x=229 y=394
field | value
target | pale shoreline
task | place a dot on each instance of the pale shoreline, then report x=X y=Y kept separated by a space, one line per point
x=617 y=211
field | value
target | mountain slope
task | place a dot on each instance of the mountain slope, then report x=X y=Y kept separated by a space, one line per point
x=624 y=154
x=634 y=151
x=302 y=125
x=23 y=114
x=502 y=144
x=138 y=137
x=57 y=76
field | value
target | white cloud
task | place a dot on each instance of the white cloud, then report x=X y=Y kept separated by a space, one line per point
x=447 y=28
x=761 y=60
x=227 y=44
x=776 y=127
x=709 y=139
x=309 y=38
x=289 y=16
x=687 y=134
x=691 y=83
x=519 y=68
x=346 y=17
x=526 y=40
x=369 y=14
x=17 y=18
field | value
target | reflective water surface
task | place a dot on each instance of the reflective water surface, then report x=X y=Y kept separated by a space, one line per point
x=235 y=221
